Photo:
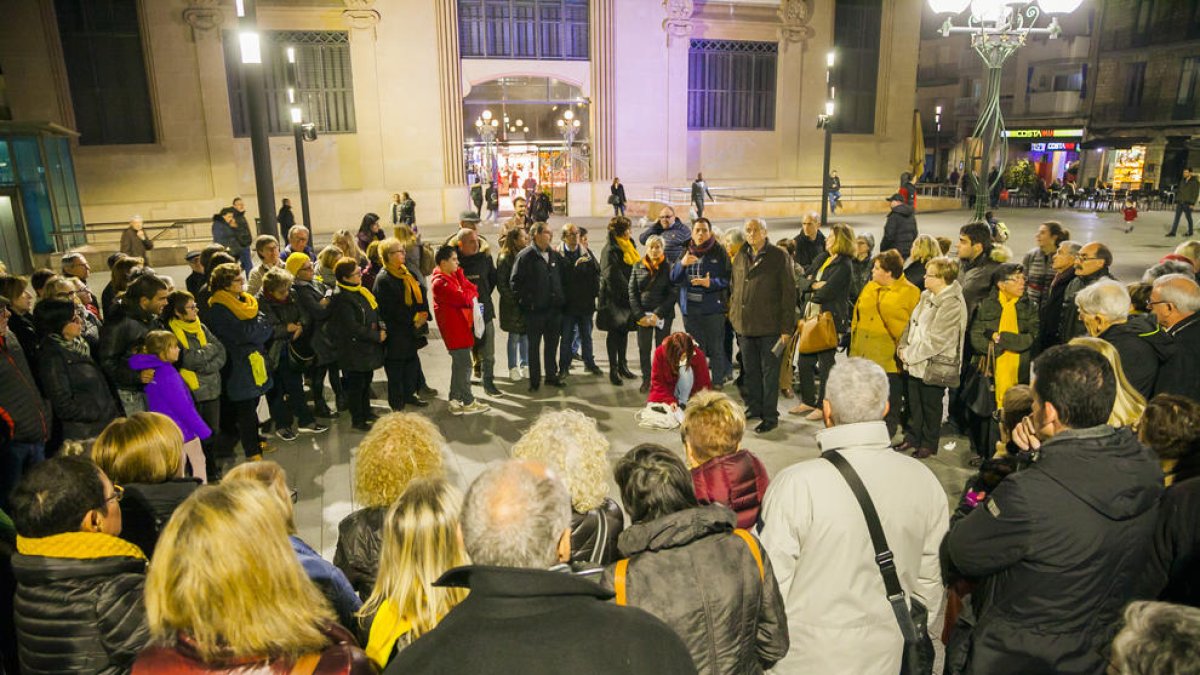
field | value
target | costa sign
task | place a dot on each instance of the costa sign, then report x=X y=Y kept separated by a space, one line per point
x=1043 y=133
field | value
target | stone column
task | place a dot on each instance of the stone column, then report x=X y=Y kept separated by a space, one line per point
x=206 y=19
x=792 y=111
x=362 y=18
x=678 y=27
x=603 y=107
x=450 y=88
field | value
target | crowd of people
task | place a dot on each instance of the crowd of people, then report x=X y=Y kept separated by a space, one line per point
x=1078 y=394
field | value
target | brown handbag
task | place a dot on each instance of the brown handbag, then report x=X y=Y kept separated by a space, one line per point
x=818 y=334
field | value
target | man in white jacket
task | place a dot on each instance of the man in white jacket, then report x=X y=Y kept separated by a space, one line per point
x=838 y=613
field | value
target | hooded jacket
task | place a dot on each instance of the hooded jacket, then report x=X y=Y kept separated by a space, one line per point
x=900 y=230
x=77 y=390
x=168 y=394
x=737 y=480
x=732 y=620
x=1059 y=547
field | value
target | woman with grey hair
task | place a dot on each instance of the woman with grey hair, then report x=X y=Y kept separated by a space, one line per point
x=569 y=442
x=1104 y=309
x=1157 y=637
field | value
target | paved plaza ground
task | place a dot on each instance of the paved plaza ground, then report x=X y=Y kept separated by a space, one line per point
x=320 y=467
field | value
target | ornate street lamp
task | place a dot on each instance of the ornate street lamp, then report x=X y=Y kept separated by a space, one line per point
x=487 y=127
x=300 y=133
x=997 y=29
x=825 y=121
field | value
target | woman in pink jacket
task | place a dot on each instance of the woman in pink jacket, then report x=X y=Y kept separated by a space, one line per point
x=453 y=301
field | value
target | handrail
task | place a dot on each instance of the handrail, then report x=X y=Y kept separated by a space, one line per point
x=765 y=193
x=103 y=233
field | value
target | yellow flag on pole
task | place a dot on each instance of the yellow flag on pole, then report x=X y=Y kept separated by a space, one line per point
x=917 y=166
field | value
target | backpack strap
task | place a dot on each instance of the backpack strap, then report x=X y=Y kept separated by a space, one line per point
x=619 y=581
x=307 y=664
x=754 y=551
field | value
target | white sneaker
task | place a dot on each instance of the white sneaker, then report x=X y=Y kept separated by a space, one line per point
x=525 y=371
x=457 y=408
x=514 y=374
x=474 y=407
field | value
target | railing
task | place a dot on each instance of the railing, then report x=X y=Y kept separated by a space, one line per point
x=178 y=231
x=773 y=193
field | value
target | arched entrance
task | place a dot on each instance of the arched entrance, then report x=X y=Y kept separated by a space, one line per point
x=527 y=133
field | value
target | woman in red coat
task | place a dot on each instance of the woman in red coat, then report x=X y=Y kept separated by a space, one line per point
x=453 y=299
x=677 y=371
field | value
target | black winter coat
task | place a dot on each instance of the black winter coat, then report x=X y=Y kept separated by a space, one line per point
x=1173 y=571
x=536 y=282
x=652 y=293
x=834 y=296
x=915 y=273
x=1050 y=310
x=354 y=328
x=481 y=271
x=900 y=230
x=986 y=321
x=1071 y=325
x=580 y=280
x=19 y=395
x=1054 y=587
x=147 y=507
x=241 y=339
x=79 y=615
x=512 y=319
x=77 y=391
x=403 y=338
x=512 y=615
x=613 y=301
x=126 y=326
x=1142 y=354
x=279 y=315
x=807 y=249
x=594 y=534
x=1179 y=374
x=309 y=295
x=360 y=535
x=22 y=326
x=732 y=622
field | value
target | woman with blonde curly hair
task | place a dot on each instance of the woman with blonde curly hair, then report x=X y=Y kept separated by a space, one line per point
x=1128 y=407
x=569 y=442
x=143 y=453
x=399 y=448
x=420 y=543
x=230 y=542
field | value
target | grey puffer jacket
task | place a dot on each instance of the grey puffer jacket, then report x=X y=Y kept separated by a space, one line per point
x=731 y=621
x=206 y=361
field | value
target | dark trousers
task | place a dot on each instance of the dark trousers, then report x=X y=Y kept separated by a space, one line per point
x=1182 y=210
x=616 y=342
x=699 y=204
x=543 y=326
x=210 y=412
x=286 y=398
x=650 y=337
x=244 y=419
x=709 y=332
x=571 y=323
x=810 y=392
x=761 y=368
x=896 y=415
x=924 y=413
x=317 y=374
x=403 y=381
x=357 y=386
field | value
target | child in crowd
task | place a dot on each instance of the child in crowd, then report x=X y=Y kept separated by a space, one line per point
x=167 y=393
x=1008 y=458
x=1130 y=212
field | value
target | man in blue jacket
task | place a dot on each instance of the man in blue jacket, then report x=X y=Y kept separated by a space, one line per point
x=702 y=275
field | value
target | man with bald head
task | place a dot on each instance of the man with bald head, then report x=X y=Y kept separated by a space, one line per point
x=526 y=612
x=477 y=264
x=1091 y=265
x=1175 y=301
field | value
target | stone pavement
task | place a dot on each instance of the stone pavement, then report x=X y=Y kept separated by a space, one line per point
x=320 y=466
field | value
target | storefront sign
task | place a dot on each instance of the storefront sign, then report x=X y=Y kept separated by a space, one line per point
x=1052 y=147
x=1043 y=133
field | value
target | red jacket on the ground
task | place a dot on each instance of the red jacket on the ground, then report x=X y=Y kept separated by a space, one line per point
x=452 y=299
x=662 y=383
x=738 y=481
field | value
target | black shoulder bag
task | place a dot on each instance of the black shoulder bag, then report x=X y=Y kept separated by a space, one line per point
x=918 y=647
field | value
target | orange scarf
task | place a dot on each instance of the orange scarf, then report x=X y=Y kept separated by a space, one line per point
x=651 y=266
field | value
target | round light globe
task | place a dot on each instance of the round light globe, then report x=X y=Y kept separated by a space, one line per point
x=1059 y=6
x=948 y=6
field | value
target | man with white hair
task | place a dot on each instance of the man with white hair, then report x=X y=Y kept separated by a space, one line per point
x=1175 y=302
x=134 y=242
x=522 y=616
x=1104 y=310
x=297 y=236
x=839 y=617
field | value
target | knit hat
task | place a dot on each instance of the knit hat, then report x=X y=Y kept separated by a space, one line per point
x=295 y=261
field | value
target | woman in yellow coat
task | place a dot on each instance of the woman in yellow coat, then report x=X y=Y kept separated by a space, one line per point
x=880 y=317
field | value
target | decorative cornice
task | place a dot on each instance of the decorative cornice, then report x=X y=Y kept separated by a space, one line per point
x=361 y=14
x=795 y=16
x=679 y=18
x=204 y=16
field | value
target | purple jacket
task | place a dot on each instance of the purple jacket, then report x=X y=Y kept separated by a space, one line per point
x=168 y=394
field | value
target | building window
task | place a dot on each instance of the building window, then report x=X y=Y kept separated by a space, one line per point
x=523 y=29
x=106 y=71
x=325 y=90
x=1189 y=78
x=856 y=32
x=1145 y=17
x=731 y=84
x=1135 y=83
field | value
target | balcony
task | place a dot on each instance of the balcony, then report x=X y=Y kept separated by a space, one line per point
x=1054 y=103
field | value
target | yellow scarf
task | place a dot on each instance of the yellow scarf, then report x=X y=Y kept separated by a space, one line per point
x=361 y=290
x=412 y=287
x=244 y=307
x=1008 y=364
x=629 y=251
x=78 y=546
x=387 y=627
x=824 y=265
x=182 y=329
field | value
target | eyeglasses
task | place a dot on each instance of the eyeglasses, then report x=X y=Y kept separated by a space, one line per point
x=1157 y=302
x=665 y=217
x=1084 y=258
x=117 y=495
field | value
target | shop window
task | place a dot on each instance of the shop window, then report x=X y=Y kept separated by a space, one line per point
x=523 y=29
x=731 y=84
x=106 y=72
x=1189 y=78
x=324 y=91
x=856 y=34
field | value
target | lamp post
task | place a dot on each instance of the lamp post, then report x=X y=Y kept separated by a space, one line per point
x=825 y=121
x=256 y=107
x=487 y=127
x=298 y=135
x=568 y=126
x=997 y=29
x=937 y=141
